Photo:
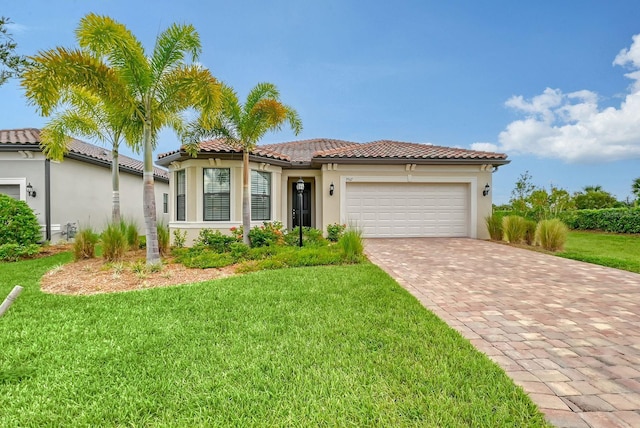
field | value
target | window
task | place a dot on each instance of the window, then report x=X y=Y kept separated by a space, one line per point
x=165 y=203
x=181 y=188
x=217 y=206
x=260 y=195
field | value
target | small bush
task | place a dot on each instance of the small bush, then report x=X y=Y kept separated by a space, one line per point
x=494 y=226
x=130 y=230
x=335 y=231
x=514 y=229
x=214 y=240
x=18 y=223
x=179 y=238
x=616 y=220
x=352 y=245
x=84 y=245
x=238 y=250
x=205 y=259
x=14 y=252
x=267 y=234
x=164 y=239
x=114 y=243
x=552 y=234
x=310 y=236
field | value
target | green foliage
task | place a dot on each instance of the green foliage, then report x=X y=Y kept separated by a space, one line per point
x=10 y=63
x=335 y=231
x=530 y=232
x=239 y=250
x=606 y=249
x=114 y=243
x=494 y=226
x=593 y=197
x=310 y=236
x=14 y=252
x=551 y=234
x=18 y=223
x=352 y=245
x=514 y=229
x=214 y=240
x=267 y=234
x=130 y=230
x=164 y=238
x=179 y=238
x=84 y=245
x=205 y=259
x=617 y=220
x=521 y=193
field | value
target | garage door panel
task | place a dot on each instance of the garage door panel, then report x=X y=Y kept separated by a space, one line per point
x=409 y=209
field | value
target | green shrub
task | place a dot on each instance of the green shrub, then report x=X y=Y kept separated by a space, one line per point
x=18 y=223
x=214 y=240
x=494 y=226
x=335 y=231
x=514 y=229
x=179 y=238
x=130 y=230
x=616 y=220
x=14 y=252
x=310 y=236
x=114 y=243
x=239 y=250
x=267 y=234
x=352 y=245
x=164 y=238
x=84 y=245
x=530 y=232
x=142 y=242
x=551 y=234
x=206 y=258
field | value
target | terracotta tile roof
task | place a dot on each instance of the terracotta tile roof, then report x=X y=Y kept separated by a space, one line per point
x=386 y=149
x=305 y=150
x=323 y=149
x=31 y=137
x=220 y=146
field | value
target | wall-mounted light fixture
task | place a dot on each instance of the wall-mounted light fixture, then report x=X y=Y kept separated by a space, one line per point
x=332 y=188
x=485 y=192
x=30 y=191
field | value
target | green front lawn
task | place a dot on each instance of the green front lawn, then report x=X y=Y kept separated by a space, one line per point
x=318 y=346
x=606 y=249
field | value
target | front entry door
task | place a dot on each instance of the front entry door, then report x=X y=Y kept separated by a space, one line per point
x=306 y=205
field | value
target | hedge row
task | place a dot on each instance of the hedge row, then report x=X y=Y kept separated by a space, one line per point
x=617 y=220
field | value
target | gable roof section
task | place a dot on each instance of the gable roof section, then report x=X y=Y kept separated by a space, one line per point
x=29 y=139
x=314 y=152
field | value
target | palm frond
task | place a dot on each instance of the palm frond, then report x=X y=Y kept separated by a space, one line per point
x=260 y=92
x=172 y=46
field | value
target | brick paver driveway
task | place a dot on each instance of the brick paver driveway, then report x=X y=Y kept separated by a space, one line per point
x=568 y=332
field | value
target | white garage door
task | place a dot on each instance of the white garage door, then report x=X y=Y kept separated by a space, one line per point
x=386 y=210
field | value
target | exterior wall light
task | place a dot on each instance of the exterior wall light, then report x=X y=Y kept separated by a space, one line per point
x=485 y=192
x=30 y=191
x=331 y=189
x=300 y=189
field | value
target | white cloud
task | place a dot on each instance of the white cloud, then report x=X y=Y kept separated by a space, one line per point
x=14 y=28
x=572 y=127
x=484 y=147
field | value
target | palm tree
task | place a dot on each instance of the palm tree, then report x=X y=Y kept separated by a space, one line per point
x=595 y=188
x=242 y=126
x=635 y=189
x=148 y=91
x=90 y=117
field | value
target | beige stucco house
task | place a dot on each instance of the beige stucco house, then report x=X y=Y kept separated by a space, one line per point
x=385 y=188
x=76 y=192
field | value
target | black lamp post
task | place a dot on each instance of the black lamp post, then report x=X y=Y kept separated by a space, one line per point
x=300 y=189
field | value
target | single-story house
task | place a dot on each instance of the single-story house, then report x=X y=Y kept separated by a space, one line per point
x=385 y=188
x=76 y=192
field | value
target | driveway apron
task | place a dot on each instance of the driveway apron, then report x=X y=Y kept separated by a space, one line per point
x=568 y=332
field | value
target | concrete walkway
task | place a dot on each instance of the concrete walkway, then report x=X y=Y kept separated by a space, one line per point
x=568 y=332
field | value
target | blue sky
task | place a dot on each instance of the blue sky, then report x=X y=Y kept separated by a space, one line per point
x=554 y=84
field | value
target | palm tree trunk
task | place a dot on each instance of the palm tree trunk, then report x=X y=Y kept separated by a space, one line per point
x=115 y=186
x=246 y=198
x=149 y=199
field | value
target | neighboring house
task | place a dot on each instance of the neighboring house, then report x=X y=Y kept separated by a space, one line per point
x=76 y=192
x=385 y=188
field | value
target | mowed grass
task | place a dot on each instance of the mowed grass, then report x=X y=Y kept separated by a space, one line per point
x=320 y=346
x=606 y=249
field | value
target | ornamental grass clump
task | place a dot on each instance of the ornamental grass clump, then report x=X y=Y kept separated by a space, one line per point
x=352 y=245
x=84 y=245
x=114 y=243
x=552 y=234
x=514 y=229
x=494 y=226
